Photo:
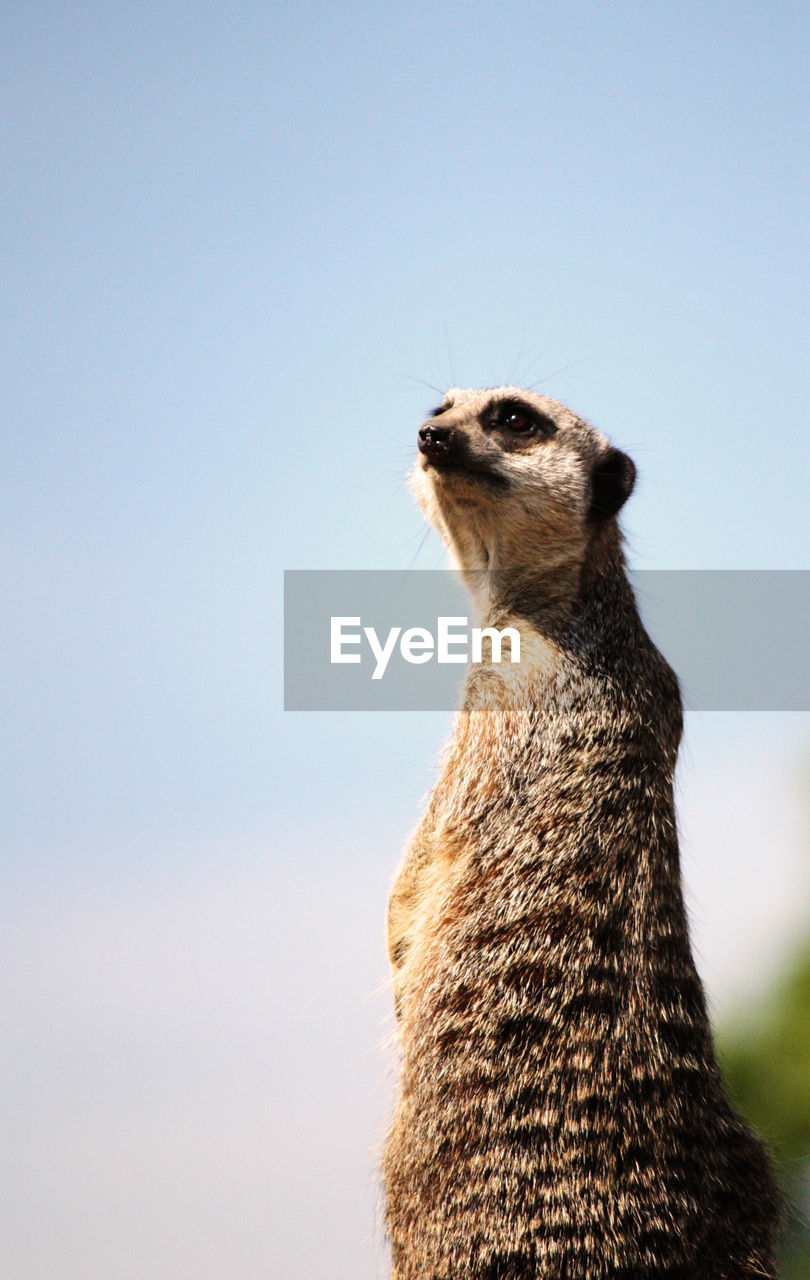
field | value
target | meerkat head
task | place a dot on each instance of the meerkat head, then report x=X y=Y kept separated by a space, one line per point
x=516 y=483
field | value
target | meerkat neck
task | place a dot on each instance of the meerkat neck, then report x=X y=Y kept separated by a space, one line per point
x=550 y=597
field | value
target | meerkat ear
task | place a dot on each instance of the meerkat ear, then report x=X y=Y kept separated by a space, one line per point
x=611 y=485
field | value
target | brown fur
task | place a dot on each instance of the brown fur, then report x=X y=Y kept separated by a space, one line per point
x=560 y=1111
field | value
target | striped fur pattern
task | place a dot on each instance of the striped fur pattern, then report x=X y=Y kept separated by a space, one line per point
x=560 y=1112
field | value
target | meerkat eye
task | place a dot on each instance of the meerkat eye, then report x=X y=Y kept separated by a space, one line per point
x=521 y=420
x=516 y=420
x=513 y=418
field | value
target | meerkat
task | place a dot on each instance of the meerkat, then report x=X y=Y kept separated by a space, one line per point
x=560 y=1110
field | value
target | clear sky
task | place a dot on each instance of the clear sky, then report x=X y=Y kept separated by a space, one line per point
x=238 y=239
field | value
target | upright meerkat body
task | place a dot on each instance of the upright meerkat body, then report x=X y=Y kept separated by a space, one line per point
x=561 y=1113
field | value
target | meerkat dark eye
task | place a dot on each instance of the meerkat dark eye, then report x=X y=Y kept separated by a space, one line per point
x=518 y=421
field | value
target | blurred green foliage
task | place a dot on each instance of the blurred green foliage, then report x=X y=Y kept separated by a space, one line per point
x=765 y=1057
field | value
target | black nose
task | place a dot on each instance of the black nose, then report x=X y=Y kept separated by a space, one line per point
x=434 y=441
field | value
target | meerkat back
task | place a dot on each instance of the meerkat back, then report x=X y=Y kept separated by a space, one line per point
x=560 y=1111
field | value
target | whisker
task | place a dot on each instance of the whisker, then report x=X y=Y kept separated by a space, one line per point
x=398 y=373
x=564 y=369
x=418 y=550
x=449 y=345
x=521 y=378
x=512 y=371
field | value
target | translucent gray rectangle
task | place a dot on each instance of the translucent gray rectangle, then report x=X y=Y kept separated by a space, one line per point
x=736 y=638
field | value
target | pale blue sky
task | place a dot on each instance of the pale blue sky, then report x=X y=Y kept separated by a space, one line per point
x=236 y=237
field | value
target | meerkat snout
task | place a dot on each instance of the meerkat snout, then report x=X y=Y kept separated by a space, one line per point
x=435 y=441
